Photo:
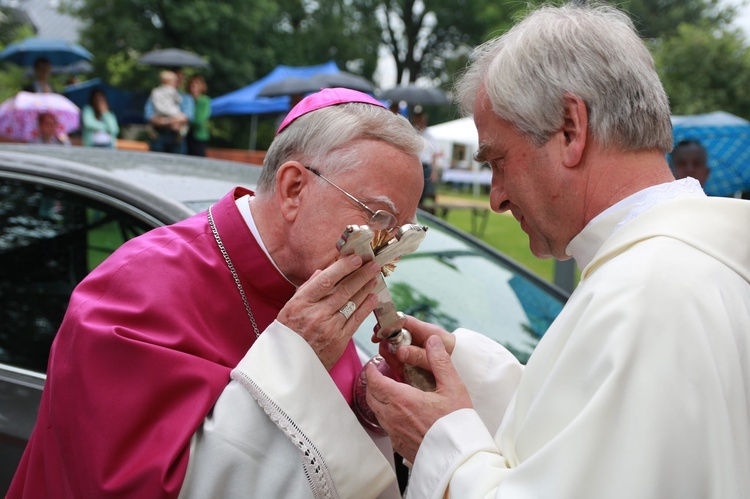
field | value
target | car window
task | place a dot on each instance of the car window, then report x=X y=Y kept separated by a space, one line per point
x=49 y=240
x=456 y=284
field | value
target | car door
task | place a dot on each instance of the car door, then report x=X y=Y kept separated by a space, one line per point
x=52 y=234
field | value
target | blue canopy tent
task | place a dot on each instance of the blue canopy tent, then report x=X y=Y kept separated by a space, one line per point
x=245 y=101
x=727 y=140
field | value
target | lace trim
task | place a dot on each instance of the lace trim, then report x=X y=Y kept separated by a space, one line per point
x=318 y=475
x=660 y=193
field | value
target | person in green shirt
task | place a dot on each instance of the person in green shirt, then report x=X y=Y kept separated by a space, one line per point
x=198 y=135
x=99 y=126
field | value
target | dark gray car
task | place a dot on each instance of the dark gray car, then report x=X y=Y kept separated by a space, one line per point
x=64 y=209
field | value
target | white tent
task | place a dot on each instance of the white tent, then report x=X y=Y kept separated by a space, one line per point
x=458 y=141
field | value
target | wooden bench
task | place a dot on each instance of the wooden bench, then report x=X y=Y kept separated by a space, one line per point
x=241 y=155
x=132 y=145
x=480 y=211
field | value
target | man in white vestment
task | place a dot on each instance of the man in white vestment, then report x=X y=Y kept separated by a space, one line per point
x=641 y=387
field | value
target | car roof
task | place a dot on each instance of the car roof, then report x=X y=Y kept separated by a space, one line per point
x=173 y=186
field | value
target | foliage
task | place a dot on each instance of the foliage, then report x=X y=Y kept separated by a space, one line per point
x=661 y=18
x=227 y=33
x=243 y=42
x=432 y=38
x=423 y=35
x=705 y=70
x=703 y=64
x=12 y=26
x=12 y=29
x=309 y=32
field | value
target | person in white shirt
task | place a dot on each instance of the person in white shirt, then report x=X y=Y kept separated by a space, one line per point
x=641 y=386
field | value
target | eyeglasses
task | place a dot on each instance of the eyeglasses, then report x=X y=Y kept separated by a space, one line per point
x=379 y=220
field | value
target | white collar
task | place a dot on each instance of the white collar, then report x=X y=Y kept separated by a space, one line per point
x=584 y=246
x=243 y=204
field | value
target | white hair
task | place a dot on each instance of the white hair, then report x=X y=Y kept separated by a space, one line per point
x=327 y=138
x=592 y=52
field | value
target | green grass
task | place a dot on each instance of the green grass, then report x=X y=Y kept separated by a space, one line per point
x=502 y=232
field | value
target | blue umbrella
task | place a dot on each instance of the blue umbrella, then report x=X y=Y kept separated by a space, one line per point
x=71 y=69
x=727 y=140
x=59 y=52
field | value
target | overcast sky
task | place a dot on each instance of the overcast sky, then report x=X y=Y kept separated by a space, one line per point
x=743 y=16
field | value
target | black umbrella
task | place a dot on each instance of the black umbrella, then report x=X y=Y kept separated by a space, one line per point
x=345 y=80
x=173 y=58
x=295 y=85
x=427 y=96
x=287 y=86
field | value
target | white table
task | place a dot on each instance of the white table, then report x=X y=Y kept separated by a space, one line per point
x=482 y=177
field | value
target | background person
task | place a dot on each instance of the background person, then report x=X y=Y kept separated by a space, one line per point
x=166 y=101
x=42 y=73
x=198 y=134
x=164 y=135
x=641 y=386
x=690 y=159
x=99 y=126
x=48 y=132
x=212 y=356
x=428 y=157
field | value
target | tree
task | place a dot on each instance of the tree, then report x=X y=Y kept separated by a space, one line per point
x=660 y=18
x=423 y=35
x=703 y=62
x=227 y=33
x=243 y=42
x=704 y=69
x=314 y=32
x=14 y=27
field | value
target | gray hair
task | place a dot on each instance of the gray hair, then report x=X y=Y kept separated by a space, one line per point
x=326 y=139
x=592 y=52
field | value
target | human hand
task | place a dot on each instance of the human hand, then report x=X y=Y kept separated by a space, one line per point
x=160 y=121
x=314 y=310
x=415 y=353
x=407 y=413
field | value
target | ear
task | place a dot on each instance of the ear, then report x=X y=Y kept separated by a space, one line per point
x=574 y=129
x=291 y=179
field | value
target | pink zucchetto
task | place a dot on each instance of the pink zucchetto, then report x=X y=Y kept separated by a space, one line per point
x=326 y=97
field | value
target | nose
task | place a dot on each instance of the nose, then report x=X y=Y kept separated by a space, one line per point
x=498 y=198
